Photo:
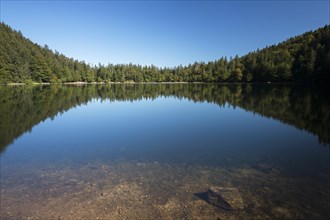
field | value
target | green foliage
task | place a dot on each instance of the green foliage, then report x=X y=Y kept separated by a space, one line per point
x=302 y=58
x=248 y=77
x=29 y=82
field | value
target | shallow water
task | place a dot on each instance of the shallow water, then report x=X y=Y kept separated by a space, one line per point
x=152 y=151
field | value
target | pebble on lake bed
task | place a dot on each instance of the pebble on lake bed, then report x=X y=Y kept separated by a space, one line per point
x=225 y=198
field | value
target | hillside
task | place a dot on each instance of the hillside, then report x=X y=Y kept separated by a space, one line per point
x=302 y=58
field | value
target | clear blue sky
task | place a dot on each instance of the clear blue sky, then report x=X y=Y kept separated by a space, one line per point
x=163 y=33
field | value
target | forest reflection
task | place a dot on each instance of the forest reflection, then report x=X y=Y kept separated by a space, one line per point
x=304 y=107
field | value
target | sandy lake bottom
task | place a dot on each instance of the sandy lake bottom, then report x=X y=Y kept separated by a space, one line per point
x=153 y=190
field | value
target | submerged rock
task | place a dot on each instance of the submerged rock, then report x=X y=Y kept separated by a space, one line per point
x=225 y=198
x=265 y=168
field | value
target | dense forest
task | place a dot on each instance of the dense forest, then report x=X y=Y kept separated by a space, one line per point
x=303 y=58
x=306 y=108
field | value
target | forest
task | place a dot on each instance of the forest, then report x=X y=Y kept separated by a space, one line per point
x=304 y=58
x=304 y=107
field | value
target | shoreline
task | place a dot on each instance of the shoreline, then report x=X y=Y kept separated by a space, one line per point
x=112 y=83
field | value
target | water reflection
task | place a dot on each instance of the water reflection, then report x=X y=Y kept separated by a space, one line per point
x=306 y=108
x=151 y=151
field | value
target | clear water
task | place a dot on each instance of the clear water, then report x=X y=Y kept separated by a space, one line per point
x=146 y=151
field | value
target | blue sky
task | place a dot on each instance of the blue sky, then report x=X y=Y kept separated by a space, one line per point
x=163 y=33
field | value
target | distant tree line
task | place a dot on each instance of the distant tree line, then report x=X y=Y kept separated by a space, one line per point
x=302 y=58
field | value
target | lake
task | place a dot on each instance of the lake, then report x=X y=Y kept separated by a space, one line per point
x=152 y=151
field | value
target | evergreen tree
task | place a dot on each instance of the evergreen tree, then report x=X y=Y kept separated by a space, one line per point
x=302 y=58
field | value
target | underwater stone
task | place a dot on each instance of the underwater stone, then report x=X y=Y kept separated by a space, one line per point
x=225 y=198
